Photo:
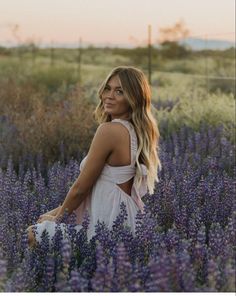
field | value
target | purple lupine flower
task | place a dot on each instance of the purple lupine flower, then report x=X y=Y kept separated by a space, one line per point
x=216 y=240
x=48 y=279
x=66 y=252
x=212 y=274
x=102 y=280
x=118 y=225
x=3 y=272
x=61 y=284
x=123 y=269
x=177 y=245
x=77 y=282
x=229 y=277
x=158 y=275
x=186 y=270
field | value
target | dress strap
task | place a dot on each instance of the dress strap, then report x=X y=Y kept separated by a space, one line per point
x=133 y=137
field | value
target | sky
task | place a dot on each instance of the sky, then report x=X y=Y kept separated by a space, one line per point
x=112 y=21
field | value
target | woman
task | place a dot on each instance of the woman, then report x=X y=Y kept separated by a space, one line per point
x=122 y=162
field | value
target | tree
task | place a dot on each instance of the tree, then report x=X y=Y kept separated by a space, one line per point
x=169 y=38
x=174 y=33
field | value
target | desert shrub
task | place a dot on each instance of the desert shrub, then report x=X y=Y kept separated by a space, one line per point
x=56 y=128
x=174 y=86
x=187 y=66
x=213 y=110
x=52 y=78
x=173 y=50
x=226 y=86
x=160 y=80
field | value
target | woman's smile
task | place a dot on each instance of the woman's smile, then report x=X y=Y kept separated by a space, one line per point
x=108 y=105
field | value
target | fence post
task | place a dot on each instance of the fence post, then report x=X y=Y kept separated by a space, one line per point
x=79 y=60
x=33 y=50
x=149 y=55
x=52 y=54
x=206 y=64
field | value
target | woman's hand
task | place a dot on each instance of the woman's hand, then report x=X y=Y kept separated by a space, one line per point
x=46 y=217
x=50 y=213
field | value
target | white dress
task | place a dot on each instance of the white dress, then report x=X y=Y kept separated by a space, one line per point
x=104 y=200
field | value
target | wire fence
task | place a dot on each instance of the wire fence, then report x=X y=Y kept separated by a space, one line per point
x=207 y=55
x=224 y=82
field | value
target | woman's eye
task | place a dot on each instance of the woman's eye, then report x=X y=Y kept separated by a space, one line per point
x=119 y=92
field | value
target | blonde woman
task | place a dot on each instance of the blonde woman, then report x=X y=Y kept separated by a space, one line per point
x=122 y=162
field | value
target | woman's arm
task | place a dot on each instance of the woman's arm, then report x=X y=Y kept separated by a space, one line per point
x=102 y=145
x=52 y=212
x=73 y=200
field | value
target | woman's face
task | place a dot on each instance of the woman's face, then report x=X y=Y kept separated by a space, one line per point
x=114 y=100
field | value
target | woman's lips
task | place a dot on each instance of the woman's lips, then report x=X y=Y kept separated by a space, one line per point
x=108 y=105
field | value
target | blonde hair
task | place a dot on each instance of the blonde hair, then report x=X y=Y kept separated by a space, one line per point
x=138 y=94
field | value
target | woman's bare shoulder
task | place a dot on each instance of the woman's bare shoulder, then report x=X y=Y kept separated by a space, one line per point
x=115 y=129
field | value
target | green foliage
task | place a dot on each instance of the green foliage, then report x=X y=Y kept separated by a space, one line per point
x=53 y=78
x=171 y=49
x=213 y=110
x=44 y=108
x=226 y=86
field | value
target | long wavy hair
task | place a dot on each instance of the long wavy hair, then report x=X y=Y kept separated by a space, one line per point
x=138 y=94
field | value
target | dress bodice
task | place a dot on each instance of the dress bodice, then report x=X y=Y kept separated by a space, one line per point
x=121 y=174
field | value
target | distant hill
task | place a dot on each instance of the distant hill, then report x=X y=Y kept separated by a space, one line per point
x=194 y=43
x=199 y=44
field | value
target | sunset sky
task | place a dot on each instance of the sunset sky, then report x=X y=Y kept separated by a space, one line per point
x=112 y=21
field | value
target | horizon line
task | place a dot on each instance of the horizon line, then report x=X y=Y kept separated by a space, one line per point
x=86 y=44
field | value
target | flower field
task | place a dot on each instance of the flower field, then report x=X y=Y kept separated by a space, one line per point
x=185 y=239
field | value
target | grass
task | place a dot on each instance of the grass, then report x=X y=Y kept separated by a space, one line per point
x=48 y=106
